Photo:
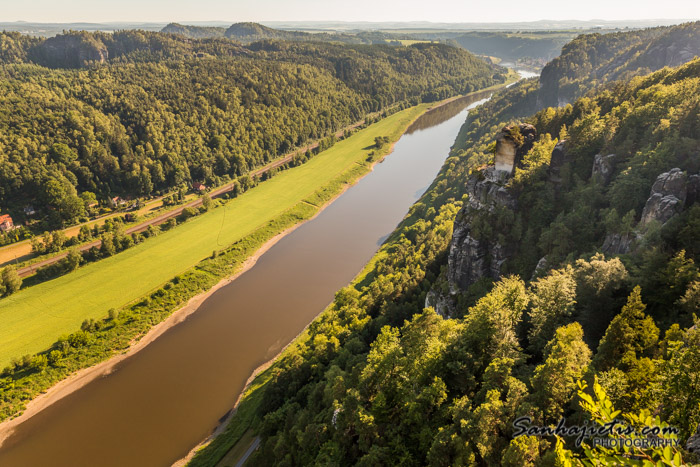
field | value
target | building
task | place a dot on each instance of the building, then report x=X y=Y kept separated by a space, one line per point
x=196 y=186
x=6 y=223
x=117 y=201
x=29 y=211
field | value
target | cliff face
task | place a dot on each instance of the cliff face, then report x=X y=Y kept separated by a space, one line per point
x=512 y=143
x=670 y=194
x=471 y=258
x=73 y=50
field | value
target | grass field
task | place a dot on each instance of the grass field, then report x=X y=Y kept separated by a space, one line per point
x=407 y=42
x=35 y=317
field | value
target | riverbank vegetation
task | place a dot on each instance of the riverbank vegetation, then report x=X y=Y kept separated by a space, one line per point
x=379 y=380
x=118 y=299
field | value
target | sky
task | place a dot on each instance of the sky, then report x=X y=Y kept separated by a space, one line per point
x=61 y=11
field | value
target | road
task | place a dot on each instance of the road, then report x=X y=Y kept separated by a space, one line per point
x=164 y=217
x=251 y=450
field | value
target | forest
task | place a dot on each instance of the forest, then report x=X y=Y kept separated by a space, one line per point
x=594 y=59
x=135 y=114
x=380 y=380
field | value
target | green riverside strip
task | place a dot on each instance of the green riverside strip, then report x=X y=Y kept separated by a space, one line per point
x=33 y=319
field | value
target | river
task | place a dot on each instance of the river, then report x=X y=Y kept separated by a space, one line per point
x=162 y=401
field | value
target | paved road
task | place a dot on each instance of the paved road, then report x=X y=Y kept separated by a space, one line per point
x=160 y=219
x=250 y=451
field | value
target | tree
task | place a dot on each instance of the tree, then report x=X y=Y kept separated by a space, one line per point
x=553 y=300
x=11 y=282
x=72 y=261
x=631 y=334
x=679 y=384
x=107 y=247
x=598 y=289
x=554 y=381
x=523 y=451
x=630 y=345
x=207 y=203
x=490 y=330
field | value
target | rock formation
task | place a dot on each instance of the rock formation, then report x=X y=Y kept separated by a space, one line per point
x=73 y=50
x=668 y=195
x=559 y=157
x=469 y=259
x=693 y=443
x=603 y=167
x=512 y=143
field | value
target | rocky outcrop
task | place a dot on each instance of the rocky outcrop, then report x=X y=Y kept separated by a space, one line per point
x=512 y=143
x=541 y=268
x=73 y=50
x=559 y=158
x=668 y=195
x=442 y=303
x=603 y=167
x=618 y=244
x=469 y=258
x=693 y=443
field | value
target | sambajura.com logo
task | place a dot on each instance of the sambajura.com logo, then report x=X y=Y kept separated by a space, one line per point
x=616 y=434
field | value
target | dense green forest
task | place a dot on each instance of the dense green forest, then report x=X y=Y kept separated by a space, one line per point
x=378 y=380
x=594 y=59
x=136 y=113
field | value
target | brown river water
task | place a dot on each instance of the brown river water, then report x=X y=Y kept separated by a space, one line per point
x=162 y=401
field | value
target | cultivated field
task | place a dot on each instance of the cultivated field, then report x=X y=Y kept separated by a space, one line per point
x=34 y=318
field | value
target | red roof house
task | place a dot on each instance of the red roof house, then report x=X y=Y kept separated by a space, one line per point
x=6 y=223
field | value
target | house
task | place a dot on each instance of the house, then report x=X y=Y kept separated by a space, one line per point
x=196 y=186
x=6 y=223
x=117 y=201
x=29 y=211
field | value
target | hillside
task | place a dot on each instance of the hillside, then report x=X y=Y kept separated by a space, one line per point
x=543 y=45
x=195 y=32
x=594 y=59
x=251 y=32
x=136 y=113
x=579 y=263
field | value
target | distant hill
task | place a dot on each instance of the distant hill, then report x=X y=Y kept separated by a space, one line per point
x=593 y=59
x=251 y=32
x=76 y=49
x=513 y=46
x=195 y=32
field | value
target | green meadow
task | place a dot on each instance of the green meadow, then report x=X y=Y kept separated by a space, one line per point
x=32 y=319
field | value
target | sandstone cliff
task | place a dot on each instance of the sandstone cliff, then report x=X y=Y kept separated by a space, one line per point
x=471 y=258
x=73 y=50
x=670 y=194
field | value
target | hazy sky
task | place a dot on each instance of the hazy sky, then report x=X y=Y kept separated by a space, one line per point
x=349 y=10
